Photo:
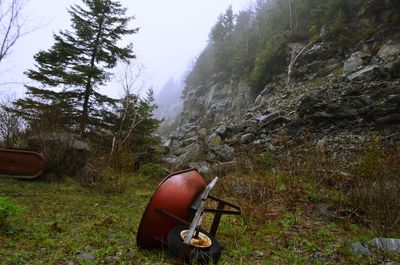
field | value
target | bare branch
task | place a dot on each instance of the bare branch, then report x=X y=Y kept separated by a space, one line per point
x=11 y=24
x=11 y=125
x=131 y=80
x=294 y=58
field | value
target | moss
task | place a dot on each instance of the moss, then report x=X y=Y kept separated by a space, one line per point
x=7 y=209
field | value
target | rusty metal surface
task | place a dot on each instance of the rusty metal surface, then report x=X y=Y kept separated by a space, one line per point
x=175 y=194
x=21 y=164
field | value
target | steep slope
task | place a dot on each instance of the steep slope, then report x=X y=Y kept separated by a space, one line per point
x=337 y=92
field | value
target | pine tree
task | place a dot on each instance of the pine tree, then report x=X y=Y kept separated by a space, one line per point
x=78 y=63
x=221 y=41
x=222 y=30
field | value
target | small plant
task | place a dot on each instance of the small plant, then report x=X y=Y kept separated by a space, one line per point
x=395 y=18
x=152 y=171
x=266 y=160
x=368 y=32
x=7 y=209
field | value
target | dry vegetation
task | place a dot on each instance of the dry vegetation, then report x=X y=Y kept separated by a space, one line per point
x=282 y=222
x=305 y=172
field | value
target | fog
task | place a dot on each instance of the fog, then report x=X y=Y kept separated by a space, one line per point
x=172 y=33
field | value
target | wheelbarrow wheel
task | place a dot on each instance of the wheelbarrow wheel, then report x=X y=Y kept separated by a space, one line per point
x=202 y=255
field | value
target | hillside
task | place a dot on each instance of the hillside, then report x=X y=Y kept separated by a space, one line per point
x=308 y=92
x=293 y=104
x=338 y=85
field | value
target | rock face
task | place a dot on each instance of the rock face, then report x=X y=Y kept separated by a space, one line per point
x=360 y=104
x=333 y=94
x=212 y=103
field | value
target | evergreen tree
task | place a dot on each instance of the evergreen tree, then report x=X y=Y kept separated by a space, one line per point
x=223 y=29
x=252 y=45
x=221 y=38
x=78 y=63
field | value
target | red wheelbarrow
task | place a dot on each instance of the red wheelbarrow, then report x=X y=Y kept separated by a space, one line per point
x=173 y=217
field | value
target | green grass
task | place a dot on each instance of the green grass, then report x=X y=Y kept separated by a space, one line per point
x=60 y=220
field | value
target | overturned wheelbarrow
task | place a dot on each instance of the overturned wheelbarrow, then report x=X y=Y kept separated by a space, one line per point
x=173 y=217
x=21 y=164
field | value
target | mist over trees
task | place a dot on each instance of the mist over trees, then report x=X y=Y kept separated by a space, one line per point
x=251 y=45
x=168 y=99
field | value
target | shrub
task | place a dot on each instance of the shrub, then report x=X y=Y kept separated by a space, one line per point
x=266 y=160
x=271 y=60
x=66 y=154
x=377 y=184
x=152 y=171
x=7 y=209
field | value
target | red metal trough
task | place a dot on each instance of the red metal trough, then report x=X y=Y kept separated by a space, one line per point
x=21 y=164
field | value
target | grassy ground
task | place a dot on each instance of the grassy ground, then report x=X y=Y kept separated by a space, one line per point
x=61 y=220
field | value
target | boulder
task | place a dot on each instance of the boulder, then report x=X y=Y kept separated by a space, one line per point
x=392 y=70
x=267 y=89
x=391 y=245
x=69 y=140
x=66 y=153
x=185 y=149
x=192 y=154
x=224 y=152
x=321 y=115
x=214 y=139
x=355 y=61
x=88 y=256
x=245 y=124
x=202 y=167
x=189 y=127
x=389 y=52
x=170 y=160
x=189 y=141
x=201 y=133
x=221 y=130
x=247 y=138
x=258 y=100
x=274 y=120
x=265 y=119
x=251 y=129
x=360 y=249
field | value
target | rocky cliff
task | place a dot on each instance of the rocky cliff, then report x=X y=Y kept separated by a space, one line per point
x=338 y=96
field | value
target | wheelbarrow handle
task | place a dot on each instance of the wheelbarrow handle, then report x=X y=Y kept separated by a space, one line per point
x=199 y=212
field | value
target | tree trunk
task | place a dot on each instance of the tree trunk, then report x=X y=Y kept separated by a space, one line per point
x=293 y=60
x=290 y=15
x=89 y=85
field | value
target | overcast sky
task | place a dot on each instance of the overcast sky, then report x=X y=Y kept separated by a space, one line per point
x=172 y=33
